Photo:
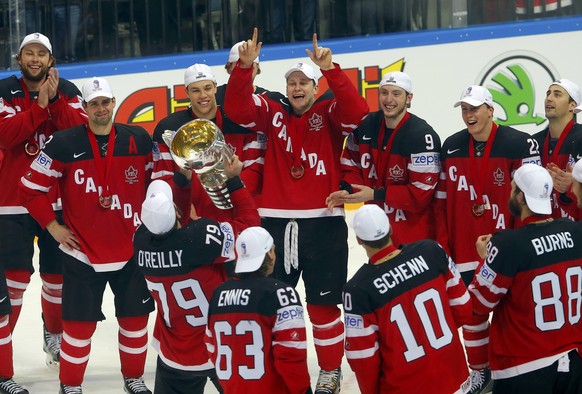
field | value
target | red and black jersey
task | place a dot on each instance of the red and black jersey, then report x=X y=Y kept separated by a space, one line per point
x=105 y=235
x=246 y=144
x=182 y=268
x=458 y=187
x=402 y=318
x=319 y=134
x=531 y=279
x=406 y=176
x=23 y=121
x=563 y=204
x=256 y=337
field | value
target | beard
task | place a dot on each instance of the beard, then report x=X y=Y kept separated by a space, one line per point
x=36 y=78
x=514 y=207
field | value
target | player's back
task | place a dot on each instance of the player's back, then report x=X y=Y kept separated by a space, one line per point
x=257 y=335
x=405 y=313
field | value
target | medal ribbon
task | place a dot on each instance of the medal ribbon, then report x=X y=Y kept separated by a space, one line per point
x=296 y=139
x=378 y=256
x=480 y=180
x=31 y=139
x=546 y=158
x=103 y=166
x=383 y=157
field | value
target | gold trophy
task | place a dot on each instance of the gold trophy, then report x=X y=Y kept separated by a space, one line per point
x=199 y=146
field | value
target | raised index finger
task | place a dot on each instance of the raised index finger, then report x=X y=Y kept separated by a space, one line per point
x=255 y=35
x=314 y=42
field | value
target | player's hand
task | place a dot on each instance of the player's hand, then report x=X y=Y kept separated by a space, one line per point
x=562 y=179
x=186 y=172
x=249 y=50
x=320 y=55
x=481 y=245
x=63 y=235
x=53 y=82
x=232 y=167
x=364 y=193
x=335 y=199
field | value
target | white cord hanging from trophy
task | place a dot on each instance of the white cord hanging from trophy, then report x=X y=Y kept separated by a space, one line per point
x=199 y=146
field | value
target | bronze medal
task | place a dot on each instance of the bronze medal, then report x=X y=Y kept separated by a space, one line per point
x=478 y=209
x=297 y=171
x=105 y=201
x=31 y=148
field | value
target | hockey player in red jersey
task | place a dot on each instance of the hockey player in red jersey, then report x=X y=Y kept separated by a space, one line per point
x=305 y=139
x=393 y=160
x=556 y=144
x=532 y=282
x=102 y=170
x=200 y=85
x=477 y=164
x=182 y=267
x=402 y=312
x=32 y=108
x=256 y=330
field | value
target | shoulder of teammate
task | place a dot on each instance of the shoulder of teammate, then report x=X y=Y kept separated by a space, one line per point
x=68 y=88
x=171 y=122
x=141 y=136
x=456 y=145
x=213 y=239
x=9 y=88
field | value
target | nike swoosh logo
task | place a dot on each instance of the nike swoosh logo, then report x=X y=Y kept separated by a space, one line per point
x=77 y=155
x=451 y=151
x=15 y=91
x=578 y=157
x=322 y=293
x=3 y=298
x=146 y=300
x=366 y=138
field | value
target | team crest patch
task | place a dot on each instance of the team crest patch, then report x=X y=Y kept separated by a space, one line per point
x=396 y=172
x=43 y=160
x=499 y=177
x=131 y=175
x=315 y=122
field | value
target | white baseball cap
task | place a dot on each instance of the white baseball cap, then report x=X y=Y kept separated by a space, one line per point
x=198 y=72
x=577 y=171
x=251 y=247
x=475 y=96
x=536 y=184
x=570 y=87
x=157 y=211
x=37 y=38
x=578 y=109
x=370 y=223
x=96 y=87
x=233 y=56
x=306 y=69
x=397 y=78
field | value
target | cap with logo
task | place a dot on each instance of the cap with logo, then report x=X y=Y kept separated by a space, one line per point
x=570 y=87
x=198 y=72
x=397 y=78
x=96 y=87
x=233 y=56
x=306 y=69
x=37 y=38
x=536 y=184
x=370 y=223
x=251 y=247
x=157 y=211
x=577 y=171
x=475 y=96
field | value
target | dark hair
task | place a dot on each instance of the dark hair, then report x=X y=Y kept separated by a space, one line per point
x=261 y=272
x=379 y=243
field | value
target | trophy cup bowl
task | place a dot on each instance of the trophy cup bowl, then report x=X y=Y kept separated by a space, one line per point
x=199 y=146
